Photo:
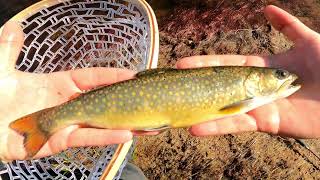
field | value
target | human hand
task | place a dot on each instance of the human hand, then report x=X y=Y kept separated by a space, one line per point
x=295 y=116
x=23 y=93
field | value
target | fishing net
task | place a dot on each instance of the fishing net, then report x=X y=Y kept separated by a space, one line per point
x=65 y=35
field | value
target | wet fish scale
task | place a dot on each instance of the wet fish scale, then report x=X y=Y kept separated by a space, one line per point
x=156 y=99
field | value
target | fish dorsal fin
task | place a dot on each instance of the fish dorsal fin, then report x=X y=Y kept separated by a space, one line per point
x=156 y=71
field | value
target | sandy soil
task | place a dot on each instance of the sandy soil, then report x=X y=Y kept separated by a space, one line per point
x=225 y=27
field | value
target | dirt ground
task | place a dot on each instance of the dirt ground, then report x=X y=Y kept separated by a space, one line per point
x=202 y=27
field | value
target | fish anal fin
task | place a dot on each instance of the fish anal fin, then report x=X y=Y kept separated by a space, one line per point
x=34 y=137
x=161 y=128
x=151 y=131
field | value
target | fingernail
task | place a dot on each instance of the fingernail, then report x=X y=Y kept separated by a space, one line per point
x=184 y=63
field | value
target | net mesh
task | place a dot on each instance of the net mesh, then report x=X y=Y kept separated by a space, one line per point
x=77 y=34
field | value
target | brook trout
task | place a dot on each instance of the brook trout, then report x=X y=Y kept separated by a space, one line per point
x=162 y=98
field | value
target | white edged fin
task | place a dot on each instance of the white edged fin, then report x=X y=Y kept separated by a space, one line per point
x=157 y=129
x=245 y=105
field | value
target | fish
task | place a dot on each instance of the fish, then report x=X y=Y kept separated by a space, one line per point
x=161 y=98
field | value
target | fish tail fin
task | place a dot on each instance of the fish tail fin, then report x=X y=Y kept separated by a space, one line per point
x=34 y=137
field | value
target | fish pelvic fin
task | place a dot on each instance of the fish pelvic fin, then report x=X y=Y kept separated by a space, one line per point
x=34 y=137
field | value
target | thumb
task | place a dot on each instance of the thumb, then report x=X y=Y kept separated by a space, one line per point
x=222 y=60
x=11 y=42
x=288 y=24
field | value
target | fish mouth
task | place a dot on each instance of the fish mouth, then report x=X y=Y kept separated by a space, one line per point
x=289 y=87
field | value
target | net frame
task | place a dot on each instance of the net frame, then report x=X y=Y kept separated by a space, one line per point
x=121 y=153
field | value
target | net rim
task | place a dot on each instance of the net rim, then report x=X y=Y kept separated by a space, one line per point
x=152 y=61
x=153 y=24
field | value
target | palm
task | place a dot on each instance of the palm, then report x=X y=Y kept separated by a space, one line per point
x=24 y=93
x=294 y=116
x=305 y=60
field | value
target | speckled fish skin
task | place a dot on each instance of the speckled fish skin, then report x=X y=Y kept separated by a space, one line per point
x=162 y=98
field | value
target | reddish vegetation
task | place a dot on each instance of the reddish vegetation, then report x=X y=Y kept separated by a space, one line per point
x=201 y=23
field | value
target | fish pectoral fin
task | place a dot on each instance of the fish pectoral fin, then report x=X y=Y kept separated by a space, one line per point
x=237 y=107
x=246 y=105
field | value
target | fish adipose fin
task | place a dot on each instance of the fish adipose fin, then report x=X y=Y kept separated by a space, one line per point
x=34 y=137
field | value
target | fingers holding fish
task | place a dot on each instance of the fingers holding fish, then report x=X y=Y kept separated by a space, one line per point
x=267 y=118
x=60 y=87
x=97 y=137
x=296 y=123
x=235 y=124
x=11 y=41
x=89 y=78
x=221 y=60
x=73 y=136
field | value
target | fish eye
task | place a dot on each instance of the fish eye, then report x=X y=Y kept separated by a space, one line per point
x=282 y=74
